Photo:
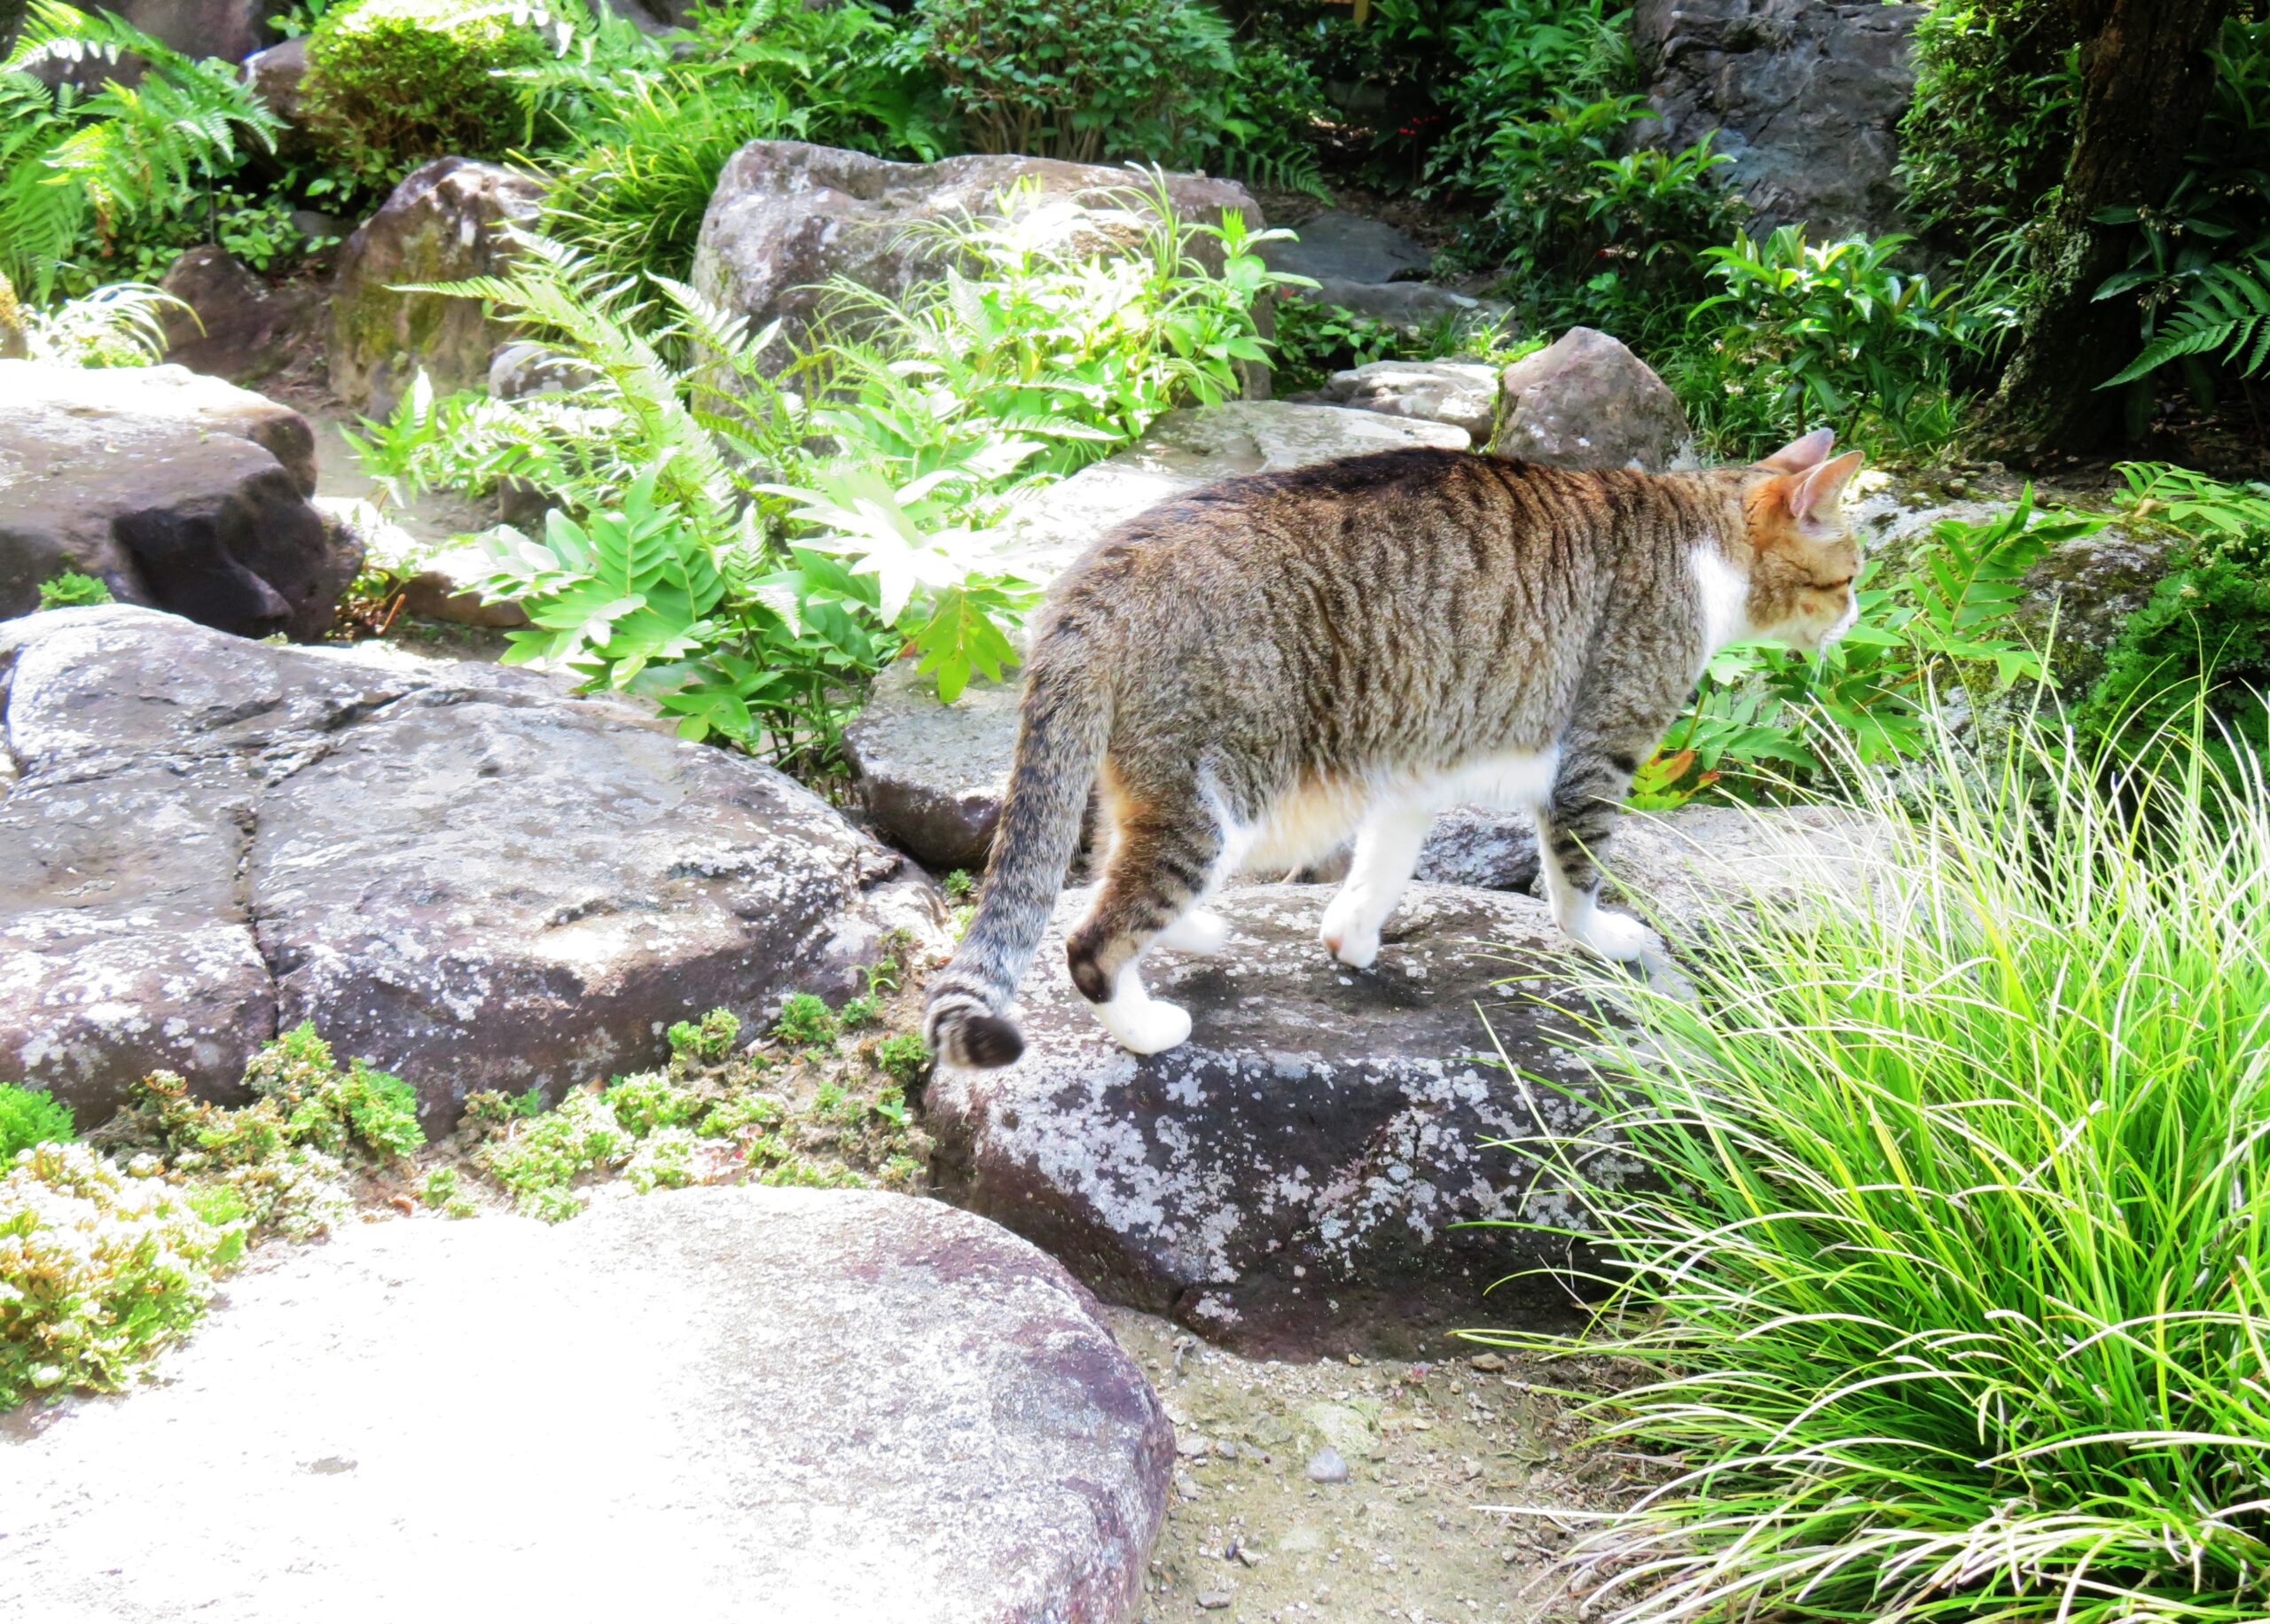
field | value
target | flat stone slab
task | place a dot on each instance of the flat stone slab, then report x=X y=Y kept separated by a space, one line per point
x=451 y=869
x=934 y=776
x=807 y=1407
x=1462 y=393
x=1350 y=248
x=1289 y=1180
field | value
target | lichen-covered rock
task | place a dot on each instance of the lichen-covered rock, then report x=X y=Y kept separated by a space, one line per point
x=1289 y=1180
x=787 y=217
x=1806 y=99
x=1462 y=393
x=932 y=775
x=449 y=869
x=445 y=223
x=174 y=489
x=1585 y=400
x=807 y=1407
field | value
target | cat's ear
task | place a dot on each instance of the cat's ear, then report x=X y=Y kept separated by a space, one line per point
x=1813 y=496
x=1802 y=453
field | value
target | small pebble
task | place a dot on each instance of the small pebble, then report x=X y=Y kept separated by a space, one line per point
x=1325 y=1467
x=1195 y=1447
x=1214 y=1601
x=1185 y=1485
x=1487 y=1362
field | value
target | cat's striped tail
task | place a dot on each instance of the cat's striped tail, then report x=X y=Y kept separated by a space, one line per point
x=1063 y=728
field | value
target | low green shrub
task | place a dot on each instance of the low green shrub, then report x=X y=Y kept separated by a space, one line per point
x=805 y=1022
x=392 y=84
x=1942 y=1255
x=30 y=1117
x=72 y=590
x=1080 y=79
x=98 y=1270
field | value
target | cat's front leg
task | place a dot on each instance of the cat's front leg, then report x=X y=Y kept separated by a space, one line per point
x=1387 y=851
x=1572 y=833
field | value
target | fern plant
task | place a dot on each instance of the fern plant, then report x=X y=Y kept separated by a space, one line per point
x=2226 y=313
x=80 y=170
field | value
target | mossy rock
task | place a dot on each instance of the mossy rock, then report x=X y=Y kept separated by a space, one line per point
x=445 y=223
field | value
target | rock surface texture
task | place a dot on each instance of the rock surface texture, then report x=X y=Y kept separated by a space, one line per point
x=445 y=223
x=787 y=217
x=1462 y=393
x=932 y=775
x=452 y=870
x=174 y=489
x=1351 y=248
x=1806 y=99
x=807 y=1407
x=236 y=326
x=229 y=29
x=1286 y=1180
x=1585 y=400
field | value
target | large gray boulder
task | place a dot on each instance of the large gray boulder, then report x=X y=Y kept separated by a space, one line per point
x=1585 y=400
x=449 y=869
x=1289 y=1180
x=174 y=489
x=1343 y=246
x=787 y=217
x=232 y=324
x=229 y=29
x=1806 y=99
x=932 y=775
x=807 y=1407
x=448 y=221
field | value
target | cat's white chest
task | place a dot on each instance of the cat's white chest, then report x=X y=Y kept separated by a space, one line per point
x=1513 y=782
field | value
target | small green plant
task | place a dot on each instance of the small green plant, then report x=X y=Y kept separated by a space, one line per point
x=30 y=1117
x=708 y=1042
x=903 y=1058
x=360 y=1110
x=960 y=885
x=540 y=1159
x=805 y=1022
x=859 y=1012
x=444 y=1192
x=392 y=84
x=98 y=1270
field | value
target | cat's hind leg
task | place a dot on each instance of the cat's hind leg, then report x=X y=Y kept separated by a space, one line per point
x=1168 y=850
x=1387 y=851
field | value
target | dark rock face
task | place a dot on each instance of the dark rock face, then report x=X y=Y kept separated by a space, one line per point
x=1587 y=402
x=1288 y=1180
x=1350 y=248
x=451 y=870
x=445 y=223
x=174 y=489
x=237 y=327
x=1806 y=99
x=932 y=775
x=804 y=1406
x=787 y=217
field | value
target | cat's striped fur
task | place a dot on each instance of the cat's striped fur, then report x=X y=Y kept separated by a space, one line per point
x=1258 y=669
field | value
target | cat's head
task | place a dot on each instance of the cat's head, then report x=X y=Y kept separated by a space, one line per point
x=1804 y=560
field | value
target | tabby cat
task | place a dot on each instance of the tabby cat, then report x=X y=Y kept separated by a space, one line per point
x=1259 y=669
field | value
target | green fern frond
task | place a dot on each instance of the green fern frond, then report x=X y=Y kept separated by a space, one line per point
x=2226 y=313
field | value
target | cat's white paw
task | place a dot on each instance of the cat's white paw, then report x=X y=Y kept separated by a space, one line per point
x=1145 y=1028
x=1197 y=932
x=1615 y=936
x=1347 y=935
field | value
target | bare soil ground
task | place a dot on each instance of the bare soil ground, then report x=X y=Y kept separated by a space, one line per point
x=1412 y=1534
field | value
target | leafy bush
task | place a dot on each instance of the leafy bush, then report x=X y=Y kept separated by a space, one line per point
x=121 y=324
x=361 y=1109
x=1079 y=78
x=1943 y=1255
x=1991 y=121
x=804 y=1022
x=30 y=1117
x=1807 y=333
x=85 y=175
x=72 y=590
x=1272 y=103
x=392 y=84
x=1519 y=59
x=98 y=1270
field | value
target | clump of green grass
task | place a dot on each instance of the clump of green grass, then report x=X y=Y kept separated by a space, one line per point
x=30 y=1117
x=1949 y=1273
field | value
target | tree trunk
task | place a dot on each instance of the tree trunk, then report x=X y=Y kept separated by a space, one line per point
x=2145 y=83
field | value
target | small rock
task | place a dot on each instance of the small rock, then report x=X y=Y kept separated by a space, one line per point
x=1487 y=1362
x=1185 y=1485
x=1326 y=1466
x=1194 y=1448
x=1214 y=1601
x=1587 y=402
x=1463 y=393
